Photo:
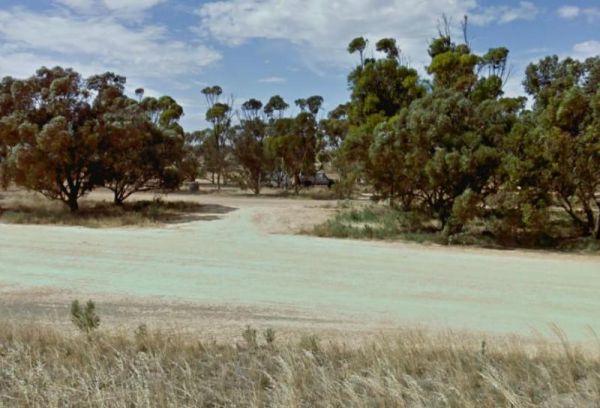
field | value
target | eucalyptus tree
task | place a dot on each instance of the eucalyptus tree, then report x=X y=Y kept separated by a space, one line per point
x=380 y=88
x=143 y=147
x=249 y=145
x=314 y=104
x=276 y=104
x=296 y=142
x=566 y=134
x=358 y=44
x=458 y=129
x=301 y=103
x=56 y=133
x=389 y=47
x=12 y=100
x=431 y=148
x=219 y=115
x=66 y=136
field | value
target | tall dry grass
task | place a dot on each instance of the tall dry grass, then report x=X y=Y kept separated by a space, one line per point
x=42 y=367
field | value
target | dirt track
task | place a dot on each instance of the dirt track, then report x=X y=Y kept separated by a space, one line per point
x=231 y=268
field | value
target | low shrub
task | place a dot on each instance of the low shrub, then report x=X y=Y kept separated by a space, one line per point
x=85 y=318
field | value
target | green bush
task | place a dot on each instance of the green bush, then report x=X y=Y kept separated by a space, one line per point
x=85 y=318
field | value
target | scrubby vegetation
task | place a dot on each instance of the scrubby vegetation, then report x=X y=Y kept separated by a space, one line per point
x=40 y=366
x=382 y=222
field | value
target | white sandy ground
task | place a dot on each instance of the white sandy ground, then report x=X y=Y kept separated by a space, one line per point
x=243 y=266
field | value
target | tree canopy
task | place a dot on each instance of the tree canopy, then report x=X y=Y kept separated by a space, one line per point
x=63 y=136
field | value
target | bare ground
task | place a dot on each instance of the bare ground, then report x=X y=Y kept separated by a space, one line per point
x=216 y=274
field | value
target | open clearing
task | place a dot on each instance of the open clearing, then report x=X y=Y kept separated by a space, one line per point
x=240 y=264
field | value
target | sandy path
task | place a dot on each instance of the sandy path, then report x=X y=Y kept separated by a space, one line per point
x=230 y=265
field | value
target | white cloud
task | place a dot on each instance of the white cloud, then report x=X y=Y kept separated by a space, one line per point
x=119 y=8
x=572 y=12
x=272 y=80
x=24 y=63
x=101 y=43
x=321 y=29
x=586 y=49
x=526 y=10
x=131 y=5
x=78 y=5
x=568 y=12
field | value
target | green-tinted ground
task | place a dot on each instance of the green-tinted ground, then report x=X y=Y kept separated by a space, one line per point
x=232 y=262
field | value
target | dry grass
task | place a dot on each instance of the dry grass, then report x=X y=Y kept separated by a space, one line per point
x=42 y=367
x=27 y=208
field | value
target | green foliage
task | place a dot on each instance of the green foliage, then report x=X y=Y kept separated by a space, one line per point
x=214 y=142
x=393 y=165
x=359 y=44
x=275 y=104
x=314 y=103
x=381 y=87
x=249 y=146
x=294 y=143
x=143 y=147
x=53 y=128
x=389 y=47
x=64 y=136
x=512 y=223
x=84 y=318
x=565 y=133
x=435 y=150
x=462 y=153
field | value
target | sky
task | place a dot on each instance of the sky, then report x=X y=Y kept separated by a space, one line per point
x=258 y=48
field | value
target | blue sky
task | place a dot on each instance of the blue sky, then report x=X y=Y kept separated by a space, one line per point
x=257 y=48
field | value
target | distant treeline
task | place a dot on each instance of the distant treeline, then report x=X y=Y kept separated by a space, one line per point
x=450 y=146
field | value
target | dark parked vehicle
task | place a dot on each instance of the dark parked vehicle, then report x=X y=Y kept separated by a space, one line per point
x=319 y=179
